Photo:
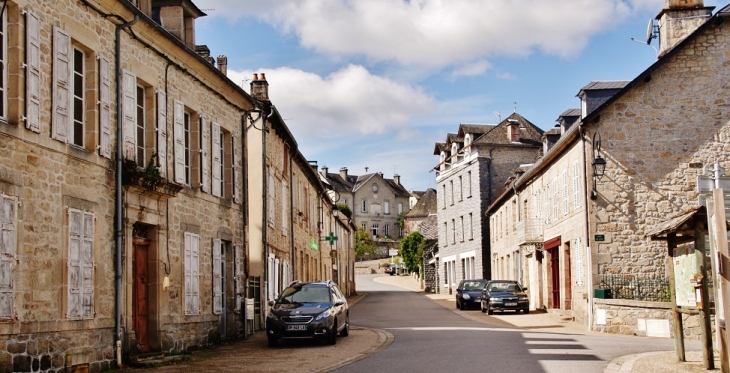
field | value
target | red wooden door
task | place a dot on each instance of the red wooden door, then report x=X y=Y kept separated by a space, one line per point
x=555 y=276
x=140 y=304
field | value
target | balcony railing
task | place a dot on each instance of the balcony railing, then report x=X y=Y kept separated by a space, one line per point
x=529 y=230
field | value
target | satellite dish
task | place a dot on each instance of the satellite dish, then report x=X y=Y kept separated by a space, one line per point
x=650 y=31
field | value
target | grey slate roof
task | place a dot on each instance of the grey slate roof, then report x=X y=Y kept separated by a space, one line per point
x=429 y=228
x=573 y=112
x=498 y=134
x=425 y=206
x=354 y=182
x=599 y=85
x=477 y=129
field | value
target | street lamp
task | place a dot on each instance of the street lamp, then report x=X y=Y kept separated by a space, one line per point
x=598 y=163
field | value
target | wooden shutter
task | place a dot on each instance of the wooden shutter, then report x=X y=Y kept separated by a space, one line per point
x=105 y=149
x=8 y=207
x=205 y=156
x=270 y=277
x=217 y=277
x=178 y=133
x=237 y=179
x=285 y=216
x=276 y=277
x=215 y=150
x=240 y=279
x=162 y=132
x=129 y=115
x=270 y=208
x=576 y=186
x=565 y=192
x=80 y=263
x=61 y=85
x=192 y=274
x=33 y=73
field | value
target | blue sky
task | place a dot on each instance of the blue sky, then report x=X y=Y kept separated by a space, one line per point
x=377 y=83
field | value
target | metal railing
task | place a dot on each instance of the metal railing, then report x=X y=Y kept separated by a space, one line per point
x=636 y=287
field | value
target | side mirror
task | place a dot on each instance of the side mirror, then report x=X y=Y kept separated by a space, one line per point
x=525 y=289
x=339 y=302
x=271 y=303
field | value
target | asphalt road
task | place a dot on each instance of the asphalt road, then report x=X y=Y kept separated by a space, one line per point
x=431 y=338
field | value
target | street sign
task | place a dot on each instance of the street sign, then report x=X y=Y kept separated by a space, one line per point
x=392 y=252
x=599 y=237
x=705 y=184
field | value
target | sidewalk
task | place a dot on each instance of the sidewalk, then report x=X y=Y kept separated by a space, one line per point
x=650 y=362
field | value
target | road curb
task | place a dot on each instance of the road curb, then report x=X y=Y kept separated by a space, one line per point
x=624 y=364
x=385 y=339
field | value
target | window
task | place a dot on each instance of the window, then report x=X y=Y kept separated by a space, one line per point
x=181 y=134
x=80 y=264
x=556 y=197
x=446 y=232
x=364 y=226
x=400 y=208
x=386 y=207
x=218 y=153
x=374 y=229
x=564 y=178
x=461 y=223
x=203 y=145
x=468 y=182
x=400 y=231
x=8 y=244
x=284 y=208
x=444 y=195
x=471 y=226
x=576 y=186
x=140 y=128
x=453 y=231
x=161 y=131
x=286 y=161
x=271 y=197
x=186 y=149
x=386 y=230
x=461 y=190
x=33 y=71
x=217 y=276
x=364 y=207
x=192 y=273
x=451 y=185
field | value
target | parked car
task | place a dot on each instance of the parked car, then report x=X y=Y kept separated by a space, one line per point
x=394 y=269
x=469 y=293
x=313 y=309
x=503 y=295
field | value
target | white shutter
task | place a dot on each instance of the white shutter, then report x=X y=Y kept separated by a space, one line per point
x=239 y=277
x=80 y=264
x=270 y=278
x=129 y=115
x=215 y=149
x=162 y=132
x=270 y=208
x=276 y=277
x=576 y=186
x=87 y=266
x=33 y=73
x=105 y=113
x=192 y=266
x=237 y=181
x=8 y=207
x=61 y=85
x=205 y=156
x=217 y=277
x=564 y=176
x=178 y=133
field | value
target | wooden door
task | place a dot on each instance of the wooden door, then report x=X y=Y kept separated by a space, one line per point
x=139 y=294
x=555 y=276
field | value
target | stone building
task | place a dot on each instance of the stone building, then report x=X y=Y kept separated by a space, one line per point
x=474 y=165
x=425 y=207
x=656 y=133
x=376 y=204
x=124 y=188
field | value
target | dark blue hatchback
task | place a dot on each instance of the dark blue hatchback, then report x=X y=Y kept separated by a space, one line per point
x=469 y=293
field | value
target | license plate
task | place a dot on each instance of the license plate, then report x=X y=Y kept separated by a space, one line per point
x=511 y=304
x=296 y=327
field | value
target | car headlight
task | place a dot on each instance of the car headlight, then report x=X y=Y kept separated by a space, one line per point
x=324 y=314
x=523 y=298
x=495 y=300
x=271 y=315
x=465 y=296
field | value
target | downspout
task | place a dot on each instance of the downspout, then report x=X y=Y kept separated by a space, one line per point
x=265 y=217
x=292 y=187
x=519 y=218
x=486 y=230
x=118 y=194
x=589 y=259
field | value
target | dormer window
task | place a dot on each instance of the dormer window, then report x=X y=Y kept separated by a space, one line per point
x=467 y=143
x=177 y=17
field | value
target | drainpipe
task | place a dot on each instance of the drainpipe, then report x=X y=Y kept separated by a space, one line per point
x=118 y=194
x=265 y=217
x=519 y=218
x=589 y=257
x=292 y=188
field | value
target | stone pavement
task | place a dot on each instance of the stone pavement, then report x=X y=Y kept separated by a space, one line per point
x=650 y=362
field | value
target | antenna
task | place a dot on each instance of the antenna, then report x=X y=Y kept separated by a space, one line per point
x=499 y=116
x=651 y=33
x=641 y=42
x=515 y=106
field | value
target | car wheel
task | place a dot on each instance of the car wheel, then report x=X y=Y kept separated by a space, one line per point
x=457 y=304
x=489 y=311
x=484 y=310
x=526 y=311
x=462 y=306
x=332 y=338
x=273 y=341
x=346 y=330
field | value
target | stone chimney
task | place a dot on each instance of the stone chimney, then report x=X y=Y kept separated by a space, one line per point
x=324 y=171
x=513 y=130
x=204 y=51
x=679 y=19
x=343 y=173
x=178 y=18
x=396 y=178
x=223 y=64
x=260 y=87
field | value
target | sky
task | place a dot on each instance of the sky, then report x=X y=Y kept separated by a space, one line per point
x=376 y=84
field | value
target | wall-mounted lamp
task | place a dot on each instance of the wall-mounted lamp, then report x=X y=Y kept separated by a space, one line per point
x=599 y=164
x=166 y=283
x=335 y=211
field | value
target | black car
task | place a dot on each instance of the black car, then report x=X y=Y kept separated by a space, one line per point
x=313 y=309
x=469 y=293
x=503 y=295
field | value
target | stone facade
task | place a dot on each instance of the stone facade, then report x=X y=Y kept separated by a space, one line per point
x=644 y=319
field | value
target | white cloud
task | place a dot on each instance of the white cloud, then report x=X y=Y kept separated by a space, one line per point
x=437 y=32
x=471 y=69
x=349 y=102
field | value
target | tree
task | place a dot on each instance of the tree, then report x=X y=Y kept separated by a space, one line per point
x=364 y=243
x=344 y=209
x=411 y=250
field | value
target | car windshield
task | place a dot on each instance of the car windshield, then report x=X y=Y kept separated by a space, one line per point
x=473 y=285
x=507 y=287
x=305 y=294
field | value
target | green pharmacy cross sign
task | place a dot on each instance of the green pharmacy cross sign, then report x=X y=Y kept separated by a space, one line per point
x=331 y=238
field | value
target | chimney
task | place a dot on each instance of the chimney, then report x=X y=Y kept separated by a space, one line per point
x=223 y=64
x=513 y=130
x=343 y=173
x=324 y=171
x=396 y=178
x=204 y=51
x=260 y=87
x=178 y=18
x=677 y=20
